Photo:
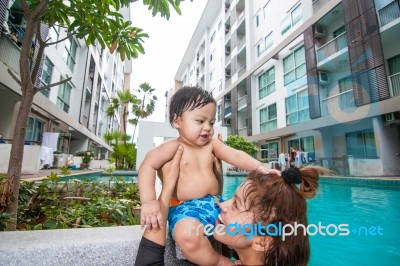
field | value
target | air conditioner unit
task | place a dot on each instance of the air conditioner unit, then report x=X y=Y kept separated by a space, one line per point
x=227 y=97
x=319 y=31
x=323 y=77
x=228 y=121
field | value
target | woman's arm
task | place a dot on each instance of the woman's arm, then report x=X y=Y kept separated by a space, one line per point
x=152 y=246
x=170 y=173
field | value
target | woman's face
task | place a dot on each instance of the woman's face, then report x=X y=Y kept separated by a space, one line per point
x=235 y=214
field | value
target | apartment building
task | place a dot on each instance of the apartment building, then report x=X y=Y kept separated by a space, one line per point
x=322 y=76
x=75 y=109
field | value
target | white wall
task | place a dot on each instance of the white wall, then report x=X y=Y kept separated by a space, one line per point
x=30 y=163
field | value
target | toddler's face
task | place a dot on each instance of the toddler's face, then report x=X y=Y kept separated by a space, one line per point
x=196 y=127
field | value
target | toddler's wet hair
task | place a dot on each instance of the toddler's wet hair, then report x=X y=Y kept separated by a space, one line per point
x=188 y=99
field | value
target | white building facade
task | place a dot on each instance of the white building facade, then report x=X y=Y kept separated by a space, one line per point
x=76 y=109
x=321 y=76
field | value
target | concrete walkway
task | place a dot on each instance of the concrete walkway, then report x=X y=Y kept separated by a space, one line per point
x=45 y=172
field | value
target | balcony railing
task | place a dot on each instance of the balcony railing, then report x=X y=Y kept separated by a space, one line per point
x=242 y=131
x=242 y=43
x=332 y=47
x=9 y=53
x=228 y=82
x=228 y=110
x=341 y=102
x=395 y=80
x=242 y=102
x=389 y=13
x=242 y=70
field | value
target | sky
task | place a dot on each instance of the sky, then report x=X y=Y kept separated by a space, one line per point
x=164 y=49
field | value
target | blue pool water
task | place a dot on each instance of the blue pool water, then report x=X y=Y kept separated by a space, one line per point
x=364 y=208
x=99 y=177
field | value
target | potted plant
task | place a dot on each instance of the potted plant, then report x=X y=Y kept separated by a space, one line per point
x=87 y=157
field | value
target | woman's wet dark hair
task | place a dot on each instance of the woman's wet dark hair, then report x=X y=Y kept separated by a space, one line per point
x=282 y=199
x=187 y=99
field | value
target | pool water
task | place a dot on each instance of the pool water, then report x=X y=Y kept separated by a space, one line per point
x=99 y=177
x=365 y=209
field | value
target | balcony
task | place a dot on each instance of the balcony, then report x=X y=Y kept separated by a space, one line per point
x=341 y=102
x=242 y=102
x=395 y=82
x=228 y=111
x=242 y=70
x=9 y=53
x=242 y=43
x=389 y=13
x=242 y=131
x=332 y=47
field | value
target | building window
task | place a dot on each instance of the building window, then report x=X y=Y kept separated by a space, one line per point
x=260 y=48
x=268 y=41
x=266 y=83
x=306 y=146
x=269 y=152
x=294 y=65
x=268 y=118
x=361 y=144
x=64 y=95
x=294 y=17
x=219 y=113
x=211 y=74
x=45 y=77
x=297 y=108
x=34 y=129
x=70 y=52
x=212 y=37
x=394 y=72
x=257 y=20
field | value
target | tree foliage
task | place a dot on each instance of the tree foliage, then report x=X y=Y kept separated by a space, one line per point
x=239 y=143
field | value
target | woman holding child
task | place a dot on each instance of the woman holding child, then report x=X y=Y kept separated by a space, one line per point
x=265 y=197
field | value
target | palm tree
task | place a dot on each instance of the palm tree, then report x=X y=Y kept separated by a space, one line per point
x=144 y=110
x=123 y=99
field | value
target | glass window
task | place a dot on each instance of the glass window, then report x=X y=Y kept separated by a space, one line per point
x=269 y=152
x=268 y=41
x=70 y=52
x=361 y=144
x=64 y=95
x=257 y=20
x=268 y=118
x=212 y=37
x=266 y=83
x=294 y=65
x=394 y=65
x=260 y=47
x=294 y=17
x=45 y=76
x=34 y=129
x=297 y=108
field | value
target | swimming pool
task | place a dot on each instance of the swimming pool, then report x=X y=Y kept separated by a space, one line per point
x=100 y=177
x=365 y=207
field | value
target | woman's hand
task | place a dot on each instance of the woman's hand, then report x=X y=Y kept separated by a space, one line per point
x=169 y=174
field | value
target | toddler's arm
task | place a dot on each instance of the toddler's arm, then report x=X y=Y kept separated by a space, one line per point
x=239 y=159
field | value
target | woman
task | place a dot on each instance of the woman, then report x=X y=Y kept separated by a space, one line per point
x=268 y=199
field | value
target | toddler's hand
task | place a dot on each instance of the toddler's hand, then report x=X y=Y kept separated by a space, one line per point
x=264 y=170
x=150 y=216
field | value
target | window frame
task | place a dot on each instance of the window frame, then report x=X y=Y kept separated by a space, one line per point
x=297 y=110
x=263 y=90
x=269 y=120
